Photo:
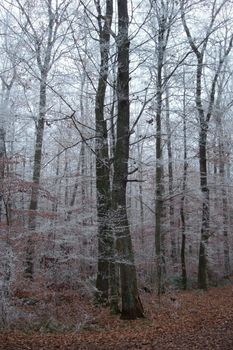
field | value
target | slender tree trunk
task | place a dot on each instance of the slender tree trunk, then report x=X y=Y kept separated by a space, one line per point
x=83 y=157
x=225 y=233
x=131 y=304
x=75 y=189
x=2 y=166
x=222 y=174
x=202 y=267
x=29 y=264
x=6 y=90
x=57 y=186
x=215 y=169
x=182 y=206
x=67 y=182
x=204 y=120
x=5 y=290
x=114 y=267
x=170 y=183
x=159 y=202
x=141 y=206
x=46 y=42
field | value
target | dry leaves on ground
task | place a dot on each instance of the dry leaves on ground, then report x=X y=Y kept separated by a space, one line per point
x=187 y=320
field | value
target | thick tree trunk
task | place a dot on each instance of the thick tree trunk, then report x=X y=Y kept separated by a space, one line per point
x=131 y=304
x=106 y=265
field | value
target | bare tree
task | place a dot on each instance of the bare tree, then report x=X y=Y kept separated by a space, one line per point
x=105 y=237
x=46 y=43
x=204 y=118
x=183 y=196
x=131 y=304
x=223 y=155
x=164 y=14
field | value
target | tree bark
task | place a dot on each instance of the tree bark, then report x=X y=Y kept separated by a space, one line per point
x=106 y=264
x=182 y=206
x=29 y=265
x=170 y=183
x=222 y=173
x=131 y=304
x=159 y=202
x=2 y=166
x=204 y=119
x=44 y=63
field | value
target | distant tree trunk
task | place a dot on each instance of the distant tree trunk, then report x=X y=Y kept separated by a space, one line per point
x=7 y=248
x=202 y=267
x=66 y=176
x=38 y=154
x=159 y=201
x=2 y=166
x=75 y=188
x=141 y=206
x=182 y=205
x=170 y=182
x=6 y=90
x=114 y=266
x=83 y=160
x=57 y=185
x=215 y=168
x=204 y=119
x=131 y=304
x=46 y=41
x=222 y=161
x=29 y=265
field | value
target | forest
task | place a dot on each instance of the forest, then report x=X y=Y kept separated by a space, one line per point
x=116 y=158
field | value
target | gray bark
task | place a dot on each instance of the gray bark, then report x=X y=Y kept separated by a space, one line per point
x=170 y=183
x=131 y=304
x=2 y=167
x=182 y=205
x=159 y=201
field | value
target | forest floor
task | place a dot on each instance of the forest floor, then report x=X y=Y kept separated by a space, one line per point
x=179 y=320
